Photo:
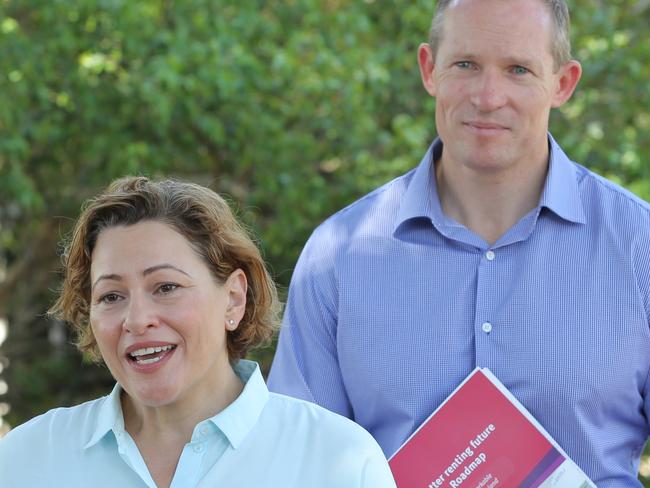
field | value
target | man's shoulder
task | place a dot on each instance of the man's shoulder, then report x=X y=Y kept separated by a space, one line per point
x=594 y=182
x=374 y=212
x=605 y=196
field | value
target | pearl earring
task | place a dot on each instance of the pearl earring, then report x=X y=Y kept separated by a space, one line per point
x=231 y=322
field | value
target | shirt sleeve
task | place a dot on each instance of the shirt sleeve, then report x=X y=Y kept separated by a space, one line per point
x=306 y=362
x=642 y=267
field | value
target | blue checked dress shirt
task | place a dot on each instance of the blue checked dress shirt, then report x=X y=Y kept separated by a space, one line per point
x=262 y=439
x=392 y=304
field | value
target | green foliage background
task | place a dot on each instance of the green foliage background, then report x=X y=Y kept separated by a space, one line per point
x=292 y=108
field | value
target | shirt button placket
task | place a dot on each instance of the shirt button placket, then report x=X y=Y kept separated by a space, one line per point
x=485 y=299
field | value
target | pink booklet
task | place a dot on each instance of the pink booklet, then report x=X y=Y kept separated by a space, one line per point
x=482 y=437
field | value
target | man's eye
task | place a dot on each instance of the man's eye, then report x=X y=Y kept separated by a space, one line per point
x=464 y=64
x=519 y=70
x=166 y=288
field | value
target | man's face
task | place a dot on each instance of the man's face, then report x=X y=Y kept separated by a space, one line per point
x=494 y=83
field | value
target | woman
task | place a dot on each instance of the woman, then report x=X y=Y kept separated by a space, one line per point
x=164 y=286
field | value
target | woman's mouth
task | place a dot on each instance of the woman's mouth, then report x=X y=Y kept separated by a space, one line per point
x=150 y=355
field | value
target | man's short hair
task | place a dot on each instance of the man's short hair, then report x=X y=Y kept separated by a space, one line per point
x=560 y=43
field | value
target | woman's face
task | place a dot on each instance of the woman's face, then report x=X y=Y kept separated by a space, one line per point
x=159 y=316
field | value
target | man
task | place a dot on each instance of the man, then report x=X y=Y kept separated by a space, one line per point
x=496 y=251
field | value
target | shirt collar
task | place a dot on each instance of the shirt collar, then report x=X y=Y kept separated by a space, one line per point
x=235 y=421
x=421 y=196
x=108 y=418
x=560 y=194
x=239 y=418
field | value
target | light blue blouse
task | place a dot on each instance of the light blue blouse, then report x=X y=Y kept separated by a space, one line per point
x=261 y=439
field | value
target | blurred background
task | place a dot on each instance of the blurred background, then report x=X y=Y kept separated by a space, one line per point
x=291 y=108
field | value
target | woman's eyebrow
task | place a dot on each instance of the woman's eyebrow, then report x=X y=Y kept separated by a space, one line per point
x=114 y=277
x=148 y=271
x=163 y=266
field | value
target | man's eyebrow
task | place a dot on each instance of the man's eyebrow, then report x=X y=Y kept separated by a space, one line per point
x=463 y=55
x=148 y=271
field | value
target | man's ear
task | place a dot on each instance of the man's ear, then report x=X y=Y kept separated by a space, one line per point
x=236 y=285
x=426 y=61
x=567 y=79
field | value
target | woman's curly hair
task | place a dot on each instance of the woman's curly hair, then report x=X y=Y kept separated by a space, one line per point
x=197 y=213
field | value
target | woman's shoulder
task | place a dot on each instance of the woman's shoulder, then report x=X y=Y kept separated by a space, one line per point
x=53 y=427
x=323 y=447
x=311 y=420
x=68 y=447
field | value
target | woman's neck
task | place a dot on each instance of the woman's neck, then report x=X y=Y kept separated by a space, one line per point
x=161 y=432
x=180 y=417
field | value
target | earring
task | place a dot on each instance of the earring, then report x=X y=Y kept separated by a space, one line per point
x=231 y=322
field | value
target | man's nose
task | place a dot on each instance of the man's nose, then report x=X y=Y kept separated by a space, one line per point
x=140 y=315
x=489 y=92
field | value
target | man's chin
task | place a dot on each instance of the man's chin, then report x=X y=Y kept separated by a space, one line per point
x=488 y=162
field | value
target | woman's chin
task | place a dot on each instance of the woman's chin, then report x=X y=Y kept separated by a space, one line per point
x=154 y=397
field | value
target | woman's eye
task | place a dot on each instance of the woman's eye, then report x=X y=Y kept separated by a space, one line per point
x=166 y=288
x=109 y=298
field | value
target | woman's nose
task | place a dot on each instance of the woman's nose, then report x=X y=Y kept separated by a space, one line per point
x=140 y=315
